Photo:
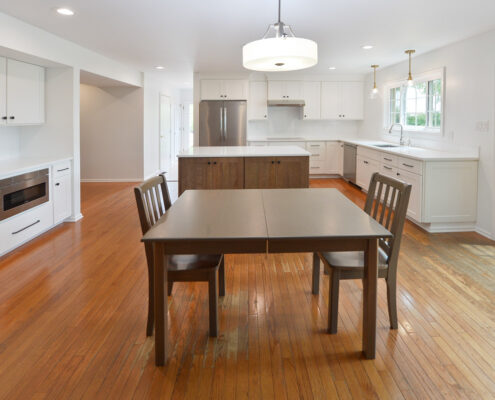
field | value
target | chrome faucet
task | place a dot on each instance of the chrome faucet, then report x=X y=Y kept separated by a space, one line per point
x=402 y=142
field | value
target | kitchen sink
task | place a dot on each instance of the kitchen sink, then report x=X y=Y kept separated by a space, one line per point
x=385 y=145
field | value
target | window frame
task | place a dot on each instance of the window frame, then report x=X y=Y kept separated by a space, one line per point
x=426 y=131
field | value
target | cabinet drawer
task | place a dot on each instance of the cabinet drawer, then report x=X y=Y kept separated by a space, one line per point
x=317 y=150
x=61 y=168
x=408 y=164
x=316 y=166
x=25 y=226
x=389 y=171
x=389 y=159
x=368 y=153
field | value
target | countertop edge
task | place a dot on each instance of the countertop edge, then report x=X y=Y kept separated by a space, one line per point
x=29 y=166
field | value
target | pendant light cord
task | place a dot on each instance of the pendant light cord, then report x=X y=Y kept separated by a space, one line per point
x=279 y=7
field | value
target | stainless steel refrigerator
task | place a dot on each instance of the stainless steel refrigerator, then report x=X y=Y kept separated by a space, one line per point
x=222 y=123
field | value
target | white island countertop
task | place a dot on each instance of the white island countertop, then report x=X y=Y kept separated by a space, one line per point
x=244 y=151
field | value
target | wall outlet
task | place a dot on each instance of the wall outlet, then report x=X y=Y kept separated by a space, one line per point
x=483 y=126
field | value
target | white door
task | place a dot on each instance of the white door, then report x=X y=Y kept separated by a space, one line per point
x=177 y=132
x=25 y=93
x=352 y=100
x=257 y=105
x=311 y=93
x=211 y=89
x=276 y=90
x=234 y=89
x=3 y=91
x=331 y=100
x=62 y=198
x=165 y=132
x=293 y=90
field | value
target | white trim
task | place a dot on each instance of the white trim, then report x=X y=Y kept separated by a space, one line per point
x=484 y=232
x=74 y=219
x=113 y=180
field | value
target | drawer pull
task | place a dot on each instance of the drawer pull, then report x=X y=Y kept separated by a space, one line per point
x=386 y=167
x=315 y=167
x=366 y=162
x=57 y=184
x=26 y=227
x=408 y=165
x=315 y=155
x=314 y=145
x=63 y=169
x=388 y=159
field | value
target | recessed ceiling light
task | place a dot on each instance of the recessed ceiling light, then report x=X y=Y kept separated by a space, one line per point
x=65 y=11
x=159 y=67
x=332 y=68
x=367 y=47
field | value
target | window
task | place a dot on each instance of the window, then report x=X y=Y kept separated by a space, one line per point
x=417 y=107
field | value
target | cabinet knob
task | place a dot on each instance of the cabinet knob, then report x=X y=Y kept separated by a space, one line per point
x=273 y=162
x=264 y=116
x=209 y=162
x=214 y=163
x=343 y=115
x=398 y=173
x=278 y=162
x=57 y=184
x=305 y=116
x=5 y=117
x=12 y=117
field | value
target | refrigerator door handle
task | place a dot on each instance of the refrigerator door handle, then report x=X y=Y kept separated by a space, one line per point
x=225 y=124
x=221 y=123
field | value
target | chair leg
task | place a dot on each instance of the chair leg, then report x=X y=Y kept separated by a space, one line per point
x=151 y=303
x=170 y=285
x=316 y=274
x=333 y=306
x=392 y=302
x=213 y=303
x=221 y=277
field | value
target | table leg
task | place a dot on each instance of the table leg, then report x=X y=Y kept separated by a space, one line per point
x=316 y=274
x=161 y=307
x=370 y=282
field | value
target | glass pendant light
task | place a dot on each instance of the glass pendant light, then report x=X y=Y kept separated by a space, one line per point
x=374 y=91
x=279 y=50
x=410 y=80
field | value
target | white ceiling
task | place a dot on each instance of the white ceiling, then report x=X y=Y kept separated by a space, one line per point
x=207 y=35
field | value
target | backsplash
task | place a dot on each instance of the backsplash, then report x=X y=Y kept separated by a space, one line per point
x=9 y=142
x=285 y=122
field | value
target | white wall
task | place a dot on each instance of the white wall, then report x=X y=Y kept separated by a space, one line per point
x=9 y=142
x=111 y=133
x=469 y=97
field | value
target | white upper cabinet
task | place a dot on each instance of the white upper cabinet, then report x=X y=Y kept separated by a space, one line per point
x=311 y=92
x=342 y=100
x=25 y=94
x=257 y=104
x=3 y=91
x=224 y=89
x=285 y=90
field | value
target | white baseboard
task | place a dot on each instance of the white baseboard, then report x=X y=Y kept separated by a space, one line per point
x=75 y=218
x=484 y=233
x=130 y=180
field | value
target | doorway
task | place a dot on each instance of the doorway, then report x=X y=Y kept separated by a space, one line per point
x=165 y=144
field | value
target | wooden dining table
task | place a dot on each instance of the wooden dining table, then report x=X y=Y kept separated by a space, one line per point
x=265 y=221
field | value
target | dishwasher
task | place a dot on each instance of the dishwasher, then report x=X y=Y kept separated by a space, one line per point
x=350 y=151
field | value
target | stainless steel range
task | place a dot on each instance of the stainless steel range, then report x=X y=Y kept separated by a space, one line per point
x=22 y=192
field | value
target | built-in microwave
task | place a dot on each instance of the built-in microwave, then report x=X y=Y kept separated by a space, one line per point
x=22 y=192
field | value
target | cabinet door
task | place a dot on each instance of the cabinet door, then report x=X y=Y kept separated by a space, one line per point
x=259 y=173
x=3 y=91
x=276 y=90
x=211 y=89
x=194 y=173
x=26 y=93
x=234 y=89
x=365 y=168
x=331 y=103
x=311 y=93
x=257 y=104
x=340 y=169
x=334 y=159
x=62 y=198
x=293 y=90
x=292 y=172
x=414 y=207
x=352 y=100
x=227 y=172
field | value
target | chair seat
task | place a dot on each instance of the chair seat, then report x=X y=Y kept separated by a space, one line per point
x=353 y=260
x=189 y=262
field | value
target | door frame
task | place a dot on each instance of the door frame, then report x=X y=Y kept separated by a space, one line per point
x=160 y=96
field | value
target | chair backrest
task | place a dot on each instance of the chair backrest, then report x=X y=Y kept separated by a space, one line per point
x=387 y=202
x=153 y=200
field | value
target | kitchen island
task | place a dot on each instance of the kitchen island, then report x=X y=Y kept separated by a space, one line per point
x=243 y=167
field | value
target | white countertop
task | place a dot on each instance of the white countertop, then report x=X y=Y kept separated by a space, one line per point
x=417 y=153
x=244 y=151
x=16 y=166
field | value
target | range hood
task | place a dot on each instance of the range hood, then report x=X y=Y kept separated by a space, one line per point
x=286 y=102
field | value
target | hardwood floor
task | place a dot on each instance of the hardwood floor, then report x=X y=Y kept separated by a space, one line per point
x=73 y=318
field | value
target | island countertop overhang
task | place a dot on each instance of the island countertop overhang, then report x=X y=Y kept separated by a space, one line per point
x=243 y=151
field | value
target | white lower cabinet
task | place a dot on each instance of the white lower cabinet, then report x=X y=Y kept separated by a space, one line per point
x=365 y=168
x=62 y=191
x=415 y=200
x=334 y=158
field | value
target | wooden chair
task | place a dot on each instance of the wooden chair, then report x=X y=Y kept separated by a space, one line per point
x=153 y=200
x=386 y=202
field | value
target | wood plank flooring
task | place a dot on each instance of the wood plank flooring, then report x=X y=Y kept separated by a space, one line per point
x=73 y=316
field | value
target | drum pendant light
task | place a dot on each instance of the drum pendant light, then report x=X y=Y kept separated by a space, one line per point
x=279 y=50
